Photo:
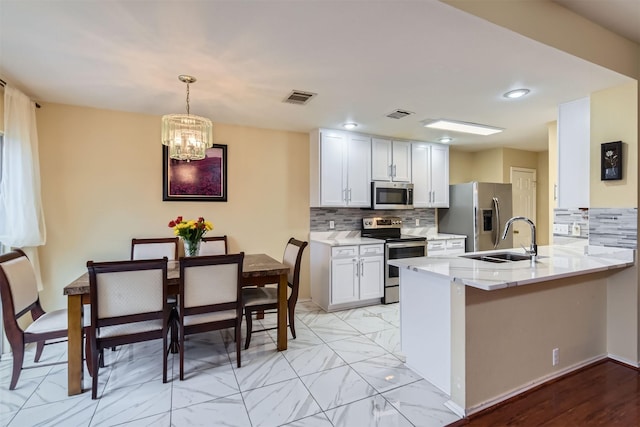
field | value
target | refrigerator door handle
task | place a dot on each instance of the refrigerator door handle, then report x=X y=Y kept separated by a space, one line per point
x=496 y=207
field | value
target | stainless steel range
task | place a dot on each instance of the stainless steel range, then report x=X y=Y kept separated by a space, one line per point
x=396 y=246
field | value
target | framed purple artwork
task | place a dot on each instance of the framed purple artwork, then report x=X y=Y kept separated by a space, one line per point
x=198 y=180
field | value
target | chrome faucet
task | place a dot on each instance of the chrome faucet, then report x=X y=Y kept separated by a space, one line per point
x=533 y=251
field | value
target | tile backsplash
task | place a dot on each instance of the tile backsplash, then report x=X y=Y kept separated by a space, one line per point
x=617 y=227
x=348 y=219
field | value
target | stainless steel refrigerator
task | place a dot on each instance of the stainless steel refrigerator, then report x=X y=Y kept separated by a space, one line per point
x=478 y=210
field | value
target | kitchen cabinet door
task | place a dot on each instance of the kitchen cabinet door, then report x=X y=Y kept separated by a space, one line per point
x=574 y=134
x=344 y=280
x=333 y=150
x=390 y=160
x=371 y=277
x=439 y=166
x=381 y=160
x=358 y=189
x=401 y=156
x=430 y=173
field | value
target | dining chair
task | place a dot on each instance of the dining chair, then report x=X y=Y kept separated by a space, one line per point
x=128 y=305
x=266 y=298
x=155 y=248
x=19 y=294
x=210 y=297
x=214 y=245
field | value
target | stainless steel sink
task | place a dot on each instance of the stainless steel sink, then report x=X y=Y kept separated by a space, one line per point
x=498 y=257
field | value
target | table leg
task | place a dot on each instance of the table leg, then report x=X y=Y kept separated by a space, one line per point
x=282 y=312
x=75 y=371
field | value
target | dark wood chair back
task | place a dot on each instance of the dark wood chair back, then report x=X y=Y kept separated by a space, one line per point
x=19 y=294
x=210 y=297
x=214 y=245
x=128 y=305
x=155 y=248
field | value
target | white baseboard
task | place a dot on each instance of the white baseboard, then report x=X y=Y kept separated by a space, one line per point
x=532 y=384
x=457 y=409
x=623 y=360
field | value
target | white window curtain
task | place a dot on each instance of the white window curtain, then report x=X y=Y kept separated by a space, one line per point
x=21 y=216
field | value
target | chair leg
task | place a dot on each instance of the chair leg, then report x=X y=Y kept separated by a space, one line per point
x=87 y=355
x=95 y=354
x=39 y=348
x=247 y=315
x=181 y=351
x=292 y=326
x=165 y=351
x=238 y=339
x=101 y=359
x=18 y=358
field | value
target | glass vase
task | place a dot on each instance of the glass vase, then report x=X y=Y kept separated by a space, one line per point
x=191 y=248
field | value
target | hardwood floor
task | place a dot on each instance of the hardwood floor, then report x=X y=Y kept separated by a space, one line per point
x=604 y=394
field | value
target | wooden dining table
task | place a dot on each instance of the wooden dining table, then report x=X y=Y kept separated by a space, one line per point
x=257 y=269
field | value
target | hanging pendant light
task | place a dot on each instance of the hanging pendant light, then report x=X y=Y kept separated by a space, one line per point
x=186 y=135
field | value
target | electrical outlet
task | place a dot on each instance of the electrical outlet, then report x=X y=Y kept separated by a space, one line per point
x=417 y=222
x=332 y=225
x=555 y=356
x=575 y=230
x=562 y=229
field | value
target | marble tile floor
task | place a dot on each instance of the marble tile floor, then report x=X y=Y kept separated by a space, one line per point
x=344 y=369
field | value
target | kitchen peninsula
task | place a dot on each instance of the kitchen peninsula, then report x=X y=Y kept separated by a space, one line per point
x=483 y=331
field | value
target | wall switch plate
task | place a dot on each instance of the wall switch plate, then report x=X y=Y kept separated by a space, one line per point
x=555 y=356
x=562 y=229
x=417 y=222
x=332 y=225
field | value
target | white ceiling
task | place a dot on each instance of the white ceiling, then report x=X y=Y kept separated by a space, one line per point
x=364 y=59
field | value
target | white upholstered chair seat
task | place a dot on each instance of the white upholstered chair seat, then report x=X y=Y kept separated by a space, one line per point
x=197 y=319
x=130 y=328
x=51 y=321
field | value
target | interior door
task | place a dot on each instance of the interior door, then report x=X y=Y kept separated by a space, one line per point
x=523 y=182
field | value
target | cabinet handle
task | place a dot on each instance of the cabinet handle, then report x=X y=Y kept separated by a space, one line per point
x=361 y=267
x=357 y=267
x=433 y=197
x=394 y=170
x=344 y=197
x=349 y=199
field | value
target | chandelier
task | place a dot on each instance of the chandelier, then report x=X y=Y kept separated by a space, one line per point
x=187 y=136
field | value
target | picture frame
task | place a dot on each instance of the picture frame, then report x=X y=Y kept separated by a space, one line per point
x=197 y=180
x=611 y=161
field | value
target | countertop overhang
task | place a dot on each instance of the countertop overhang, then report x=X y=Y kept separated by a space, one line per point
x=555 y=262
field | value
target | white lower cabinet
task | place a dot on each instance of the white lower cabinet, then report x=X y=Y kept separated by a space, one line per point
x=346 y=276
x=445 y=247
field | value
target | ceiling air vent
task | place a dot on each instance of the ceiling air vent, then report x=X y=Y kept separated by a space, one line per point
x=398 y=114
x=299 y=97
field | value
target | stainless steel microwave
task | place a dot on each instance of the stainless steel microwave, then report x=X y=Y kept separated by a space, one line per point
x=391 y=195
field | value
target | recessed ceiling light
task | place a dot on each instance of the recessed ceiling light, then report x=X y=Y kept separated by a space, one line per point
x=350 y=125
x=445 y=139
x=516 y=93
x=465 y=127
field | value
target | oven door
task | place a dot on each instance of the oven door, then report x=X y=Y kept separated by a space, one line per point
x=397 y=250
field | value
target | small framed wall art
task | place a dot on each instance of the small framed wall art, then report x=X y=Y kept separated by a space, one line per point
x=611 y=161
x=198 y=180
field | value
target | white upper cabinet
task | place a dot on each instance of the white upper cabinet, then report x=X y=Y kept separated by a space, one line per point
x=574 y=141
x=340 y=164
x=430 y=166
x=391 y=160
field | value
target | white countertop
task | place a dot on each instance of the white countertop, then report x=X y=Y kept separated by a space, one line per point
x=554 y=262
x=348 y=241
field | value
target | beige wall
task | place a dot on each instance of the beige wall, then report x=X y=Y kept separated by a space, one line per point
x=510 y=333
x=1 y=109
x=487 y=165
x=102 y=185
x=614 y=117
x=460 y=166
